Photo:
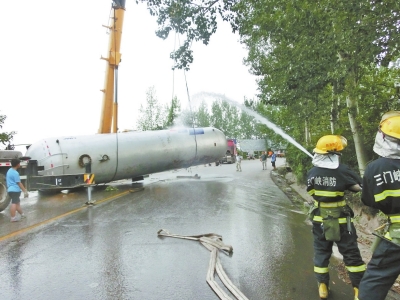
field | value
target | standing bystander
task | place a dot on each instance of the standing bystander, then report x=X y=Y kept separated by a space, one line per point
x=238 y=162
x=263 y=159
x=14 y=188
x=273 y=159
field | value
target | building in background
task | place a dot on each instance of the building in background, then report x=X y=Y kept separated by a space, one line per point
x=253 y=147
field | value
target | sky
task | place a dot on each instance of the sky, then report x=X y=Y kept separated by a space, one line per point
x=52 y=74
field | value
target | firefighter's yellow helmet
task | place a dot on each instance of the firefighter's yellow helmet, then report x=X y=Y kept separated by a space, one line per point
x=390 y=124
x=330 y=143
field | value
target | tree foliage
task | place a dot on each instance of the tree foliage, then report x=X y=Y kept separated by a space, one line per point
x=172 y=112
x=231 y=120
x=5 y=137
x=195 y=19
x=202 y=116
x=323 y=67
x=313 y=59
x=152 y=115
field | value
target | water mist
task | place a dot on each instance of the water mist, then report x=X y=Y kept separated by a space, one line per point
x=257 y=116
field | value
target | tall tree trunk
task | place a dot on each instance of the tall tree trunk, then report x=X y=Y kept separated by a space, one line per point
x=307 y=137
x=358 y=139
x=334 y=112
x=336 y=90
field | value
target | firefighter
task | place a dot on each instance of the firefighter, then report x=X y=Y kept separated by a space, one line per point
x=330 y=215
x=381 y=184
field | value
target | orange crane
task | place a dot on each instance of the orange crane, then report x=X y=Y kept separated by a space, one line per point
x=109 y=112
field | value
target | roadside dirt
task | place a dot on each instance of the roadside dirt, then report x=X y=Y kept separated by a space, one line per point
x=364 y=223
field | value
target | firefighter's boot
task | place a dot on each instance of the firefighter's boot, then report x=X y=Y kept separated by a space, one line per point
x=355 y=293
x=323 y=290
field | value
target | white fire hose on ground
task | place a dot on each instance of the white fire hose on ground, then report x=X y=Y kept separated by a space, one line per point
x=213 y=242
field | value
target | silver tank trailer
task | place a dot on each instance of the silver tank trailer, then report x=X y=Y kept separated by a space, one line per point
x=128 y=154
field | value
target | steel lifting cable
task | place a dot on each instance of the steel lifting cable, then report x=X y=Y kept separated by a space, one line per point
x=187 y=91
x=213 y=242
x=114 y=27
x=173 y=73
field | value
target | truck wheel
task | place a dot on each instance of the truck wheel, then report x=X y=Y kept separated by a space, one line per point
x=4 y=198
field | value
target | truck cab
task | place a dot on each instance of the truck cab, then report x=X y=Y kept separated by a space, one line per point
x=230 y=155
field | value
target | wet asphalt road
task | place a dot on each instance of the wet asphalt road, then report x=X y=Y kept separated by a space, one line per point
x=111 y=250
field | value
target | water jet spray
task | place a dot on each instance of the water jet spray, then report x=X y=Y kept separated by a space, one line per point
x=257 y=116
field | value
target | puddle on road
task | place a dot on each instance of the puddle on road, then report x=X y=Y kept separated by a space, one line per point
x=192 y=179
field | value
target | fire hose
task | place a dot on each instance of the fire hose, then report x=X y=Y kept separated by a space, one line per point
x=213 y=242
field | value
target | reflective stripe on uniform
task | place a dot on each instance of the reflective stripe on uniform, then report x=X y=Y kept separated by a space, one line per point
x=385 y=194
x=387 y=236
x=394 y=219
x=391 y=220
x=355 y=269
x=329 y=204
x=325 y=193
x=321 y=270
x=341 y=220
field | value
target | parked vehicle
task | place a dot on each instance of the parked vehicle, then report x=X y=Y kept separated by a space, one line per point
x=230 y=155
x=280 y=153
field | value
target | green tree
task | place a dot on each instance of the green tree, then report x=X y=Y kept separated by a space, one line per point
x=233 y=122
x=202 y=115
x=247 y=127
x=196 y=20
x=303 y=49
x=217 y=117
x=323 y=66
x=172 y=112
x=5 y=137
x=188 y=118
x=152 y=116
x=231 y=118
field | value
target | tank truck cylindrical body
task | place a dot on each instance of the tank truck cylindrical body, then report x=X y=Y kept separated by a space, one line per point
x=131 y=154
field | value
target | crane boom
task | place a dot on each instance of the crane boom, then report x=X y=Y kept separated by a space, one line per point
x=109 y=112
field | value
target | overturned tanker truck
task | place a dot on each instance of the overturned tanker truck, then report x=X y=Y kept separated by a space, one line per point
x=73 y=161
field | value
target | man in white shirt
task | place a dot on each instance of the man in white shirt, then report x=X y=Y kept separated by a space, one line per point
x=238 y=162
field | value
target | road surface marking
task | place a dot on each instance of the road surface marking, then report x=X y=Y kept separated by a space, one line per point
x=26 y=229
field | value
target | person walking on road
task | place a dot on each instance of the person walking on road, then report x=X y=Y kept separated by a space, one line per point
x=330 y=215
x=238 y=162
x=14 y=188
x=263 y=159
x=273 y=159
x=381 y=190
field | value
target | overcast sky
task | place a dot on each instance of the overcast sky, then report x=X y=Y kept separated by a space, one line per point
x=51 y=73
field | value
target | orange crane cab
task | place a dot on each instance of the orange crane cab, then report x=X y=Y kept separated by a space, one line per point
x=109 y=112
